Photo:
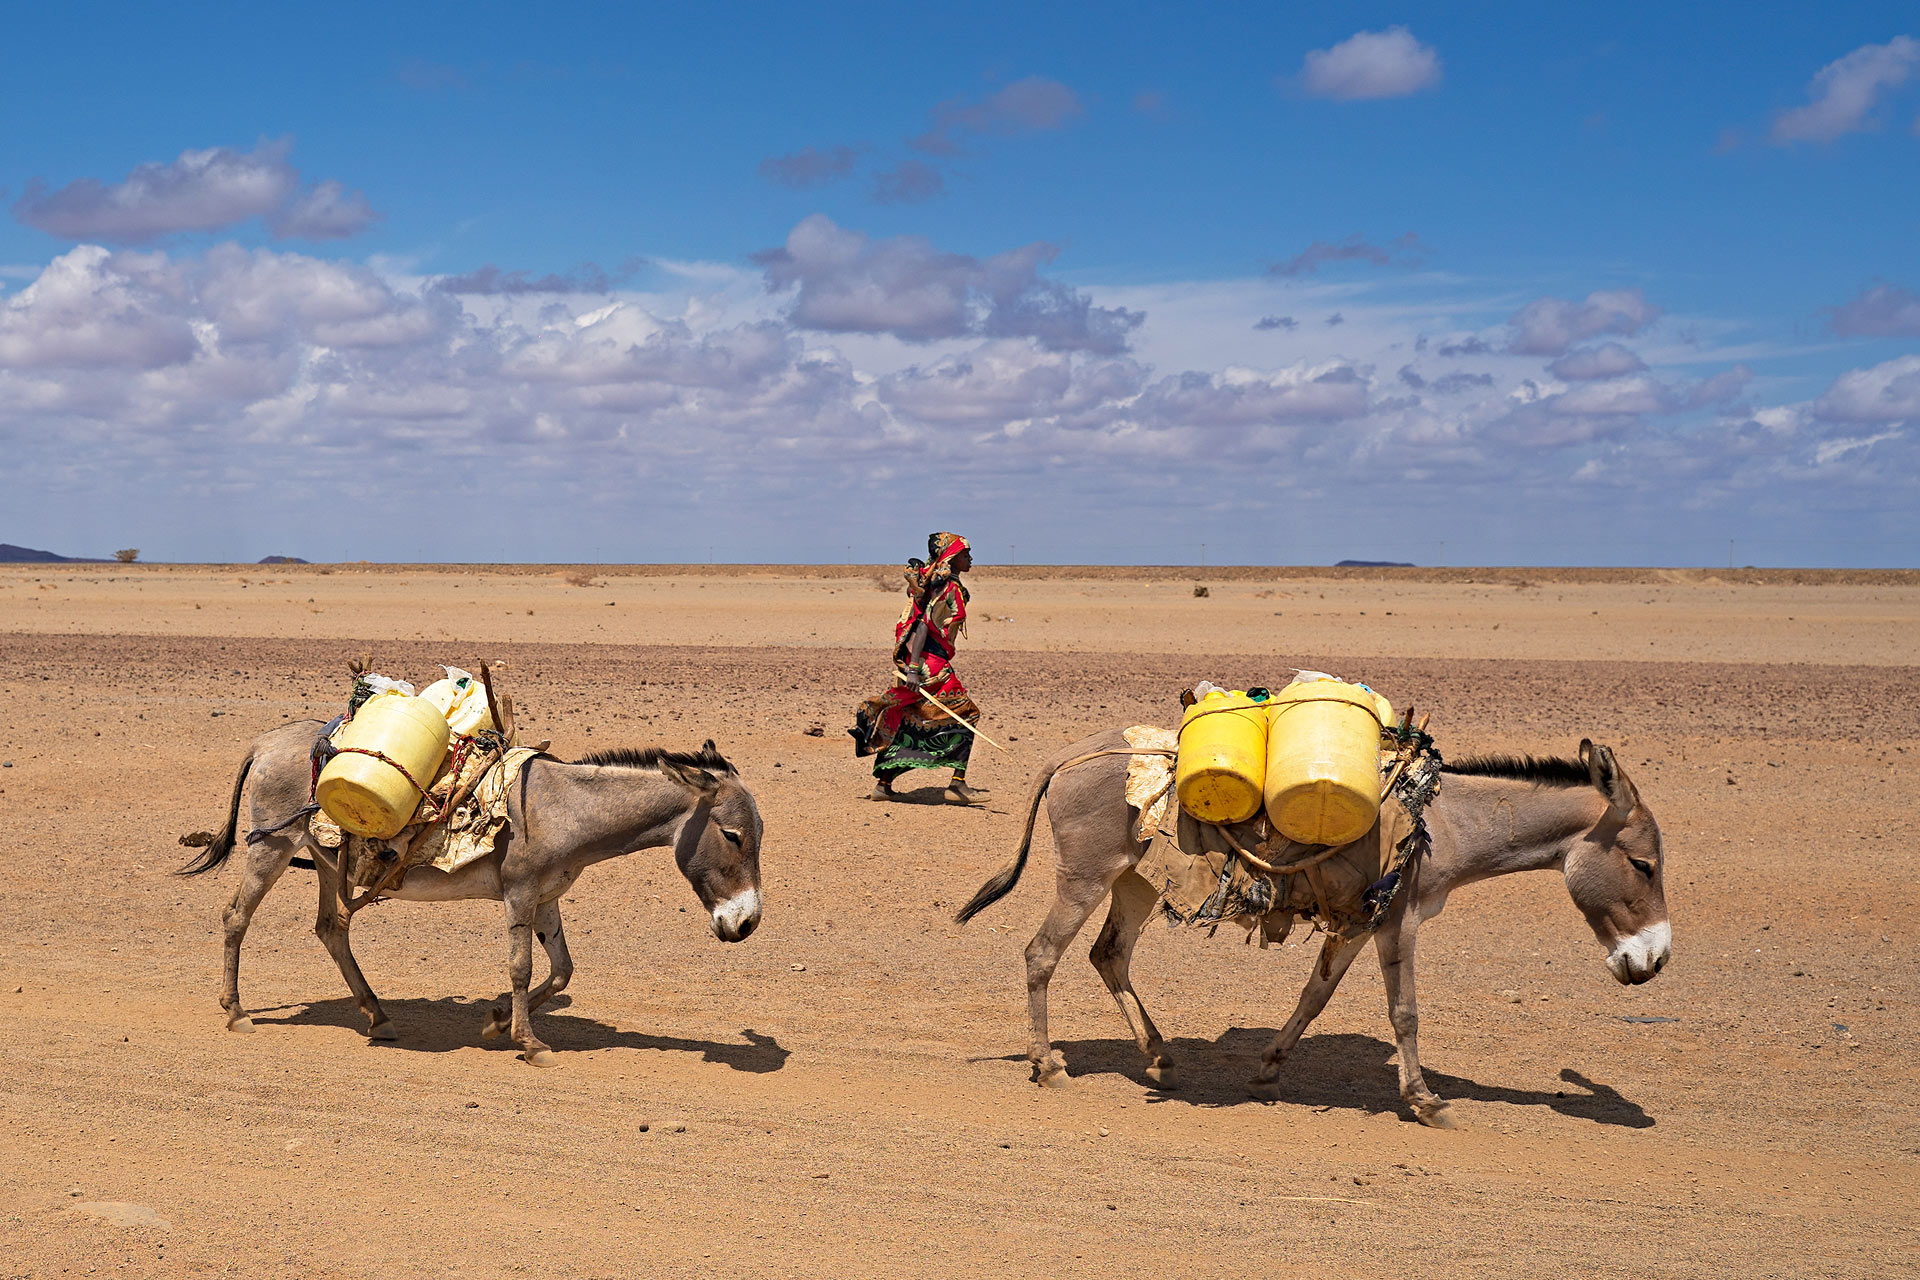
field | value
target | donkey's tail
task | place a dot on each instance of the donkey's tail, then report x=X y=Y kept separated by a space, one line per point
x=1006 y=877
x=216 y=853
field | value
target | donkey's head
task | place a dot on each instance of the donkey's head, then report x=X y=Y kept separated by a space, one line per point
x=718 y=845
x=1614 y=871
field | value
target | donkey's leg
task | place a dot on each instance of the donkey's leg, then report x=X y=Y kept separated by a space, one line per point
x=1394 y=943
x=553 y=936
x=1075 y=899
x=331 y=925
x=1335 y=956
x=266 y=863
x=1112 y=955
x=522 y=910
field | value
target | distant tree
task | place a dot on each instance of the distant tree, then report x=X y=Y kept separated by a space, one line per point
x=127 y=555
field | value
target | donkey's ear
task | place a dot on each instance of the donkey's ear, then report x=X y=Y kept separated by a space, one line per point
x=692 y=777
x=709 y=748
x=1609 y=779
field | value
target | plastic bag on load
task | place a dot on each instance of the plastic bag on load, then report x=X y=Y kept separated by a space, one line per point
x=462 y=699
x=378 y=684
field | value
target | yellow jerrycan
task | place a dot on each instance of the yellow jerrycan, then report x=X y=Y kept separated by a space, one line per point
x=1222 y=760
x=367 y=795
x=1323 y=760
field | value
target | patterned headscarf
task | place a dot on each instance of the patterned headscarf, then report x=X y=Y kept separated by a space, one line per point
x=942 y=547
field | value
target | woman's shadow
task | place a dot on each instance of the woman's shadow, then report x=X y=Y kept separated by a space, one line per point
x=449 y=1023
x=1334 y=1071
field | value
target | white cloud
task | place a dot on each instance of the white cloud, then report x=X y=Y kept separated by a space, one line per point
x=1371 y=64
x=1885 y=311
x=1548 y=326
x=1888 y=392
x=203 y=190
x=1608 y=360
x=847 y=282
x=1845 y=92
x=1834 y=450
x=260 y=371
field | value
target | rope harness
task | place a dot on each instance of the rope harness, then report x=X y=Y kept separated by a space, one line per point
x=1412 y=781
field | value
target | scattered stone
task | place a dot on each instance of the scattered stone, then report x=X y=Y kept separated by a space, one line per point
x=294 y=1144
x=798 y=968
x=123 y=1213
x=815 y=730
x=645 y=1126
x=822 y=1175
x=1510 y=996
x=1103 y=1131
x=472 y=1105
x=676 y=1126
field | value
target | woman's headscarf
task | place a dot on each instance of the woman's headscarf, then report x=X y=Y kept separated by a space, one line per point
x=944 y=546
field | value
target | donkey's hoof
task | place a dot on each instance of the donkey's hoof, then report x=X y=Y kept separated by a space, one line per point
x=240 y=1022
x=1264 y=1090
x=1438 y=1115
x=496 y=1025
x=1164 y=1075
x=382 y=1030
x=1054 y=1079
x=542 y=1057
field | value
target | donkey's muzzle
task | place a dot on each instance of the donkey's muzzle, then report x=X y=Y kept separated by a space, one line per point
x=1638 y=958
x=737 y=917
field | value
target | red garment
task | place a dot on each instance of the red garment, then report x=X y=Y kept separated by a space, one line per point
x=936 y=599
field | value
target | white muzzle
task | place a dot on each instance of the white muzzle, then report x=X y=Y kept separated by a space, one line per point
x=1636 y=959
x=737 y=917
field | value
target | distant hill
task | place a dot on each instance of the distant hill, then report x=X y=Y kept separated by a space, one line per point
x=10 y=554
x=283 y=560
x=1373 y=564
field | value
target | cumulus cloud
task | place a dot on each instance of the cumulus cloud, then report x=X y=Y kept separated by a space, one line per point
x=204 y=190
x=250 y=370
x=810 y=166
x=1844 y=93
x=1471 y=345
x=1355 y=248
x=1371 y=64
x=1885 y=311
x=1276 y=322
x=1548 y=326
x=1888 y=392
x=327 y=211
x=1608 y=360
x=88 y=310
x=1031 y=105
x=846 y=282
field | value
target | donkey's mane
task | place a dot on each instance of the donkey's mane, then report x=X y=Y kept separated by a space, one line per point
x=653 y=757
x=1550 y=771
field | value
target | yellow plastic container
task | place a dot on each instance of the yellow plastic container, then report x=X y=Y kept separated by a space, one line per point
x=462 y=699
x=365 y=794
x=1223 y=757
x=1323 y=761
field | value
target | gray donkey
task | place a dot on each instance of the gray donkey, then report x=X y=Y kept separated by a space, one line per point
x=563 y=818
x=1493 y=815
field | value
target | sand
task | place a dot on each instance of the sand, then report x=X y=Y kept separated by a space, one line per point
x=846 y=1093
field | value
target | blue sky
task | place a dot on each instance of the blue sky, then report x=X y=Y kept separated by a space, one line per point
x=1546 y=285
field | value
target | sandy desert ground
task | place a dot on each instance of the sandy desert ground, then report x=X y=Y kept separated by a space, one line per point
x=845 y=1093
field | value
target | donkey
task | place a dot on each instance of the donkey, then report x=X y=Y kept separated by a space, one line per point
x=563 y=818
x=1493 y=815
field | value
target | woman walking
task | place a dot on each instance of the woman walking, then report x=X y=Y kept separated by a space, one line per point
x=902 y=728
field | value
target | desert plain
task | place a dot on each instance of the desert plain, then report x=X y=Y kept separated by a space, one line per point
x=846 y=1092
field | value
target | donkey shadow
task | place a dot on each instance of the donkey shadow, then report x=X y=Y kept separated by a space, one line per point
x=450 y=1023
x=1340 y=1071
